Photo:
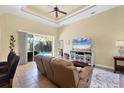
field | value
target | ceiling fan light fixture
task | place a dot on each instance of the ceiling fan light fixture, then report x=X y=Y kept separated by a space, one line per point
x=57 y=11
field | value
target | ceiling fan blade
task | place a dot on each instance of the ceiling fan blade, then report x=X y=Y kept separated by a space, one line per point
x=56 y=14
x=51 y=11
x=62 y=12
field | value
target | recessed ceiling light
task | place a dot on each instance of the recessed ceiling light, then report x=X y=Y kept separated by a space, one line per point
x=93 y=12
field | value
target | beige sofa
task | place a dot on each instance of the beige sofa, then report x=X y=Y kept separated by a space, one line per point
x=63 y=73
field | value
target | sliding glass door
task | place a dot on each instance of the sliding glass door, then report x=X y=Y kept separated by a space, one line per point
x=39 y=44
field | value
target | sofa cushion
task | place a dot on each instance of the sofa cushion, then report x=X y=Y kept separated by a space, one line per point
x=62 y=62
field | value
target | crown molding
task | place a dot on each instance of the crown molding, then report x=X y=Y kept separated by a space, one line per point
x=76 y=16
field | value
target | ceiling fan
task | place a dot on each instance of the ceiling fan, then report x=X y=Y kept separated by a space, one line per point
x=57 y=11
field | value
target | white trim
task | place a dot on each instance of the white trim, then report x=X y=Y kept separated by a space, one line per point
x=108 y=67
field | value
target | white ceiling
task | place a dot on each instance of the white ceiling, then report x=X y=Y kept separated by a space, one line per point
x=78 y=15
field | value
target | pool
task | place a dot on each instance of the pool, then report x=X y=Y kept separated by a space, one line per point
x=45 y=53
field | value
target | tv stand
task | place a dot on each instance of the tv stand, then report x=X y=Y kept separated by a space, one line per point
x=80 y=58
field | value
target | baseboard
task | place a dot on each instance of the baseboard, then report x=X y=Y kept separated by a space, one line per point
x=103 y=66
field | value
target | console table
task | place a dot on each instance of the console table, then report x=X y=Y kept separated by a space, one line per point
x=116 y=66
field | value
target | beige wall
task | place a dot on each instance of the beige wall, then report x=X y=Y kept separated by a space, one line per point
x=104 y=29
x=10 y=24
x=2 y=36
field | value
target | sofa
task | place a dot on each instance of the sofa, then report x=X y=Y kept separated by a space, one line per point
x=63 y=73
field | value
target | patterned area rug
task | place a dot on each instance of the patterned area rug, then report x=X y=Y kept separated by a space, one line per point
x=104 y=79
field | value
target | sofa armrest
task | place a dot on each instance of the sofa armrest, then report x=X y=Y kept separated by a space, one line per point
x=2 y=63
x=76 y=74
x=85 y=73
x=85 y=77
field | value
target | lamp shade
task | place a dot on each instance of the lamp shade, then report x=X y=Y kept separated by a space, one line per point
x=120 y=43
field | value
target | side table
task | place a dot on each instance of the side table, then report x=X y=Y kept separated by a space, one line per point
x=116 y=66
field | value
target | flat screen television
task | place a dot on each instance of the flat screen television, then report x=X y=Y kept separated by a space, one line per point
x=81 y=43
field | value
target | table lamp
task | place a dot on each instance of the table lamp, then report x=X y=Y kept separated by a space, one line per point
x=120 y=45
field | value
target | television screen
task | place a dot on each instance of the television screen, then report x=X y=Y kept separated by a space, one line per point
x=81 y=43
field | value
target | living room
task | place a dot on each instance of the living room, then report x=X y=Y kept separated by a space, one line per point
x=100 y=26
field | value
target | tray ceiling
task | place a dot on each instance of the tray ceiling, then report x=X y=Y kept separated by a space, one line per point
x=40 y=13
x=43 y=10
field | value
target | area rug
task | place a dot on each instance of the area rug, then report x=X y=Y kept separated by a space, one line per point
x=104 y=79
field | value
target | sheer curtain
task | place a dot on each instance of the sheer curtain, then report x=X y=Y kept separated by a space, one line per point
x=23 y=47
